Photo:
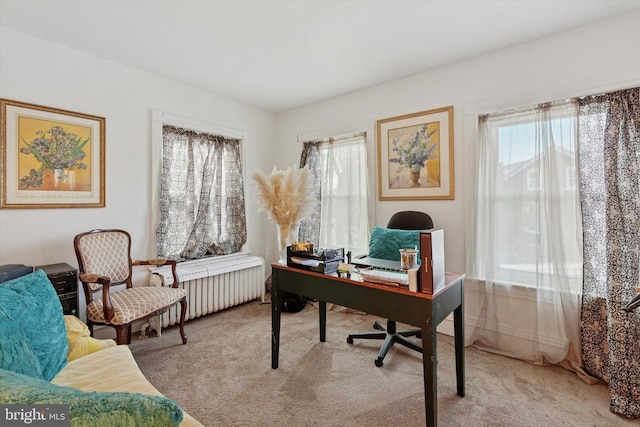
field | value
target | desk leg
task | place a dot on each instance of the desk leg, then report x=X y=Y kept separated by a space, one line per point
x=458 y=328
x=429 y=363
x=276 y=309
x=323 y=320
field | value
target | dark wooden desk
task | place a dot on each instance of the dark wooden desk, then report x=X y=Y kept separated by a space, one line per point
x=421 y=310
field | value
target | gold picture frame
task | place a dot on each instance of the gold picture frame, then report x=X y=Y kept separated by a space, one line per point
x=415 y=156
x=50 y=158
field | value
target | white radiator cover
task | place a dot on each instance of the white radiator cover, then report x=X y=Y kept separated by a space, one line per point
x=214 y=284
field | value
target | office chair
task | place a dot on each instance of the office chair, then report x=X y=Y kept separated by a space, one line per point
x=405 y=220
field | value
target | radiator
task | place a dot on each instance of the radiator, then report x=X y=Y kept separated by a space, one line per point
x=214 y=285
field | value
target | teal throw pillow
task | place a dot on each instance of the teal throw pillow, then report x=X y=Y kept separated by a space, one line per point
x=33 y=304
x=385 y=243
x=113 y=409
x=16 y=353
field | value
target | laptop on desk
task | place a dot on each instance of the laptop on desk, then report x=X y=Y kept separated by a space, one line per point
x=376 y=262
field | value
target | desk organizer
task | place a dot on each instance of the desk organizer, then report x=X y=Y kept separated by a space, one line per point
x=323 y=261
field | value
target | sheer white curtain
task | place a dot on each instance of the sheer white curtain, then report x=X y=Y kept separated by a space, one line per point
x=339 y=169
x=344 y=211
x=524 y=260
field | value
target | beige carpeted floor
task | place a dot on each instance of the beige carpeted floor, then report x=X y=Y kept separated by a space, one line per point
x=223 y=377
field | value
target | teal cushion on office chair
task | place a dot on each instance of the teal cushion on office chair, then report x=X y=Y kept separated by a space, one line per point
x=385 y=243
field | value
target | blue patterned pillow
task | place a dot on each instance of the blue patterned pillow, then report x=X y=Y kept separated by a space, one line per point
x=91 y=408
x=33 y=304
x=385 y=243
x=16 y=353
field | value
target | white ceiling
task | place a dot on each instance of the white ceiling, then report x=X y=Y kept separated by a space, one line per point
x=279 y=55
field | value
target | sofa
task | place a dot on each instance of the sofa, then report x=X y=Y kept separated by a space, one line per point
x=47 y=358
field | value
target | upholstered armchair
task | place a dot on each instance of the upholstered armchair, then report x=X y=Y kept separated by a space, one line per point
x=104 y=261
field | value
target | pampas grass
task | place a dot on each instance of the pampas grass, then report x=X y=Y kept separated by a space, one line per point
x=287 y=197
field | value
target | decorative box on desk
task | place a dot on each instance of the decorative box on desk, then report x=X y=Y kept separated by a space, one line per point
x=325 y=261
x=65 y=281
x=432 y=265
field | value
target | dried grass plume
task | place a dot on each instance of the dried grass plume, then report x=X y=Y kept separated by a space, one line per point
x=286 y=195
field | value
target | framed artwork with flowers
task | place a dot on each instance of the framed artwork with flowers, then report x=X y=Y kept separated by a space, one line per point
x=50 y=158
x=415 y=156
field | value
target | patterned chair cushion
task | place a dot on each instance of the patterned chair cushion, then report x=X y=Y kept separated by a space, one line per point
x=134 y=303
x=106 y=254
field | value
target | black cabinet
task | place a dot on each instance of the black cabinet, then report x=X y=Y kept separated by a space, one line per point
x=65 y=281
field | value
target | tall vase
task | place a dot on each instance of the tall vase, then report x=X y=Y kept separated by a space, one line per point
x=415 y=178
x=287 y=234
x=64 y=179
x=58 y=179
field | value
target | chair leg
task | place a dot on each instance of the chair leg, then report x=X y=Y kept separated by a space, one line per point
x=123 y=334
x=183 y=315
x=386 y=346
x=407 y=343
x=390 y=336
x=370 y=335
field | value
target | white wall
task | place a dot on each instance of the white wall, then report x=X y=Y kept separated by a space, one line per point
x=603 y=56
x=38 y=72
x=588 y=60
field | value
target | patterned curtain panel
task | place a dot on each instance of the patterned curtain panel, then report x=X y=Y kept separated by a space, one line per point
x=202 y=206
x=609 y=147
x=310 y=228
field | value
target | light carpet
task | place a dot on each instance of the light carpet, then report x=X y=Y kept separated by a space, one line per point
x=223 y=377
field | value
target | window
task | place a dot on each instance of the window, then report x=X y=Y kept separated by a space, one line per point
x=202 y=206
x=528 y=200
x=533 y=179
x=339 y=167
x=570 y=178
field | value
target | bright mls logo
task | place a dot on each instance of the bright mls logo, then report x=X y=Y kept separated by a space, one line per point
x=36 y=415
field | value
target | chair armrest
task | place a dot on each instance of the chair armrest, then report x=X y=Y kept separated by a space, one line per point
x=104 y=282
x=159 y=262
x=80 y=341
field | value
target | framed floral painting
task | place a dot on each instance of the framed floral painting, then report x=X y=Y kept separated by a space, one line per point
x=50 y=158
x=415 y=156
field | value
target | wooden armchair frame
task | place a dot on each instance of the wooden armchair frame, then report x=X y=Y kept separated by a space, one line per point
x=101 y=275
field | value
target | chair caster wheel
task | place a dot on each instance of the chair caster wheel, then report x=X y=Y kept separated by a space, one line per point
x=376 y=326
x=378 y=362
x=349 y=340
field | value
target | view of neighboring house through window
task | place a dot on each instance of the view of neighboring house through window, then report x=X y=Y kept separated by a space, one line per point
x=532 y=195
x=339 y=168
x=524 y=258
x=552 y=254
x=202 y=205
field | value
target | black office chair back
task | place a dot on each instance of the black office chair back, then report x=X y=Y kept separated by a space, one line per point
x=405 y=220
x=410 y=220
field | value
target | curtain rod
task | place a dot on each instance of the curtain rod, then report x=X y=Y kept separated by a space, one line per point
x=331 y=138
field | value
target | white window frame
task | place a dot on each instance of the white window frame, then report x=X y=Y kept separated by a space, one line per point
x=534 y=180
x=570 y=178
